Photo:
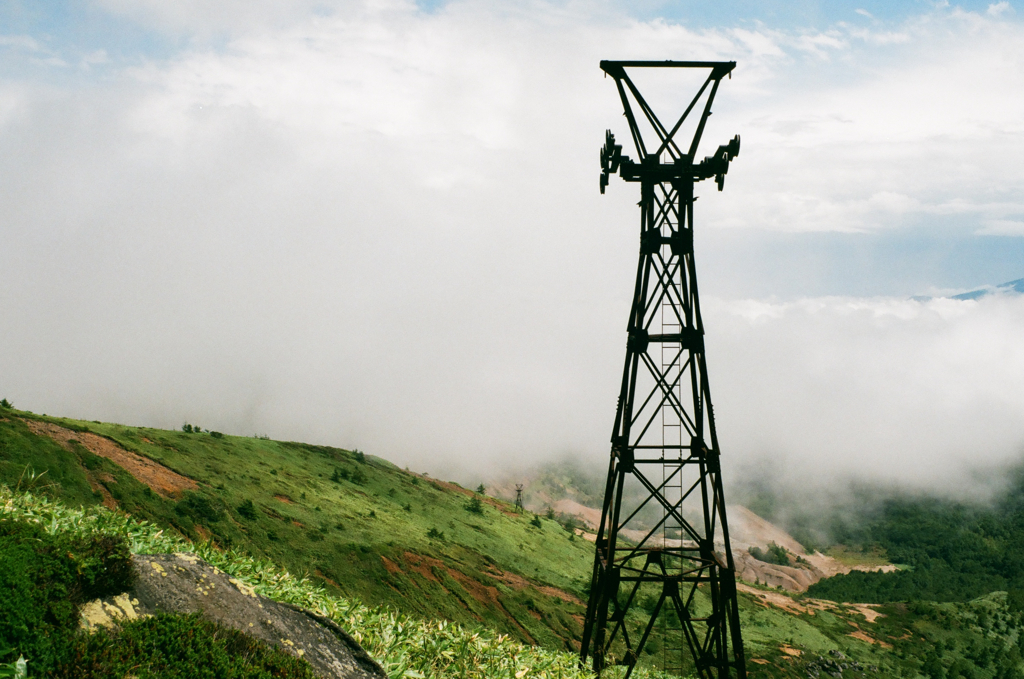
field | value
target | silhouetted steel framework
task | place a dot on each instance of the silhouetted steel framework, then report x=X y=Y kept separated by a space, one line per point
x=519 y=498
x=673 y=576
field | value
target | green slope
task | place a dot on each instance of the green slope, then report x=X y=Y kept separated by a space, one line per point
x=366 y=533
x=407 y=648
x=373 y=532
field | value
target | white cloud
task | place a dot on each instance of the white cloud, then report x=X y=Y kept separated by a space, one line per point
x=379 y=227
x=915 y=391
x=933 y=117
x=20 y=42
x=94 y=58
x=999 y=8
x=1002 y=227
x=231 y=18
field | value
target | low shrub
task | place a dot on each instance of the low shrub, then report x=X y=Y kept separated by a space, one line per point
x=90 y=461
x=197 y=507
x=45 y=578
x=173 y=647
x=774 y=554
x=247 y=510
x=355 y=476
x=1015 y=600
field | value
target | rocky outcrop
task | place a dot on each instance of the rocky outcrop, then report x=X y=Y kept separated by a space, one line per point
x=747 y=530
x=184 y=583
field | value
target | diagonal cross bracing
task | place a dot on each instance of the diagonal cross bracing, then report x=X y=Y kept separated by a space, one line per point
x=664 y=539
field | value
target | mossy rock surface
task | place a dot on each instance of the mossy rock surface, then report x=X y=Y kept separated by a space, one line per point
x=185 y=584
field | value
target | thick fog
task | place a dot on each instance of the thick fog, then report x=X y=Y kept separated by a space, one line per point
x=379 y=227
x=924 y=393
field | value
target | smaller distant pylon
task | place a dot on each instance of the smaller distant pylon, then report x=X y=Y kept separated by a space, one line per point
x=519 y=498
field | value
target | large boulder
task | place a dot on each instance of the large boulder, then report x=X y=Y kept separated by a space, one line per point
x=184 y=583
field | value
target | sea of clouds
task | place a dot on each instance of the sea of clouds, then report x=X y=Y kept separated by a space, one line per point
x=379 y=227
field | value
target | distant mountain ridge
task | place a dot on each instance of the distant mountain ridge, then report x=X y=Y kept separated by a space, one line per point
x=1013 y=286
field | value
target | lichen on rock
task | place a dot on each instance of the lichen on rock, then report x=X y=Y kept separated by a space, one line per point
x=184 y=583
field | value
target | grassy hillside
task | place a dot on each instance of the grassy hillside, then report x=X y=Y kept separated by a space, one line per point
x=423 y=548
x=406 y=647
x=360 y=525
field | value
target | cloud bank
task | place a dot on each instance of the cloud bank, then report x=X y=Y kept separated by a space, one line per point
x=921 y=392
x=379 y=227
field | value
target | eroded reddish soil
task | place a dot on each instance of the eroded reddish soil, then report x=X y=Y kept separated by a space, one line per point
x=160 y=479
x=485 y=595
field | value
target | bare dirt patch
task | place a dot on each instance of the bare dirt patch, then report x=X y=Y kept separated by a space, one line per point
x=519 y=582
x=317 y=573
x=160 y=479
x=451 y=487
x=786 y=603
x=811 y=606
x=501 y=506
x=587 y=515
x=390 y=566
x=422 y=565
x=867 y=610
x=108 y=500
x=864 y=636
x=285 y=499
x=747 y=529
x=483 y=594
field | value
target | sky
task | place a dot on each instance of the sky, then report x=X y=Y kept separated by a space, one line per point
x=377 y=225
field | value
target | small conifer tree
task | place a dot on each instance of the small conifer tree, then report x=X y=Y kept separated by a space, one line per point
x=475 y=506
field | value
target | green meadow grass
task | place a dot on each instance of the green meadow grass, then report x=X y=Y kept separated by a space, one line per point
x=431 y=586
x=404 y=645
x=365 y=535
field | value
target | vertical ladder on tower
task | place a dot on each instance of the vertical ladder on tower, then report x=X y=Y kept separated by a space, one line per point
x=673 y=433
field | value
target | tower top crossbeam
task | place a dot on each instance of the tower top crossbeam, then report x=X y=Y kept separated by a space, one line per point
x=649 y=166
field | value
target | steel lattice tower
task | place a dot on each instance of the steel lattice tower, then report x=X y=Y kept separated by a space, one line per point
x=663 y=566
